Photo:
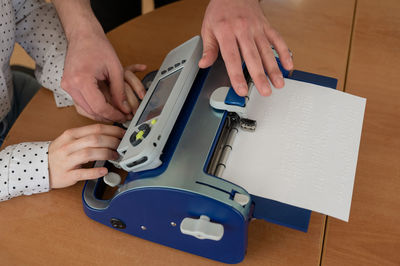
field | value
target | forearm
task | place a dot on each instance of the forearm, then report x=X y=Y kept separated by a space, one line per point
x=77 y=18
x=45 y=42
x=91 y=59
x=24 y=169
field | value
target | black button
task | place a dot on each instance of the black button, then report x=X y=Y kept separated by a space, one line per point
x=116 y=223
x=146 y=132
x=163 y=72
x=140 y=161
x=183 y=61
x=136 y=142
x=177 y=64
x=133 y=139
x=170 y=68
x=144 y=127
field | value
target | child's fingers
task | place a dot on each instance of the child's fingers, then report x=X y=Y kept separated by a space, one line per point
x=86 y=155
x=135 y=83
x=86 y=174
x=136 y=67
x=95 y=129
x=92 y=141
x=131 y=97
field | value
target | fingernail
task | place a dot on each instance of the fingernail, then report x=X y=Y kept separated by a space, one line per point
x=289 y=62
x=103 y=171
x=278 y=80
x=241 y=90
x=142 y=94
x=126 y=105
x=129 y=117
x=264 y=92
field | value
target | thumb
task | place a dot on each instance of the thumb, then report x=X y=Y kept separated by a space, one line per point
x=136 y=68
x=210 y=49
x=88 y=173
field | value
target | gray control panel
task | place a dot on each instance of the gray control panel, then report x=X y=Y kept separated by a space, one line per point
x=144 y=140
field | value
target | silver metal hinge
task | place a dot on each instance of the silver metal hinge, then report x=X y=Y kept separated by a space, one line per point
x=224 y=145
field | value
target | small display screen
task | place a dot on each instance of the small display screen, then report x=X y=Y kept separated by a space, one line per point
x=159 y=97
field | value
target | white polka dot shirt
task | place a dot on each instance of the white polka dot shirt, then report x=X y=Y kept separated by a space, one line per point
x=34 y=24
x=24 y=169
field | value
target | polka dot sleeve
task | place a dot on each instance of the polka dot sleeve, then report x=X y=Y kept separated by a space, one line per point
x=39 y=31
x=24 y=169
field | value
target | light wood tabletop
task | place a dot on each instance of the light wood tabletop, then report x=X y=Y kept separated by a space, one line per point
x=372 y=236
x=51 y=228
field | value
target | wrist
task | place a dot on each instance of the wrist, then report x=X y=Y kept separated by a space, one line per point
x=77 y=19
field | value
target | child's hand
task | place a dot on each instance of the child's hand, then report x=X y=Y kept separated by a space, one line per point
x=78 y=146
x=134 y=88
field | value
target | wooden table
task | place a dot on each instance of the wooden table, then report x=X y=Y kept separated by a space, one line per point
x=372 y=237
x=51 y=228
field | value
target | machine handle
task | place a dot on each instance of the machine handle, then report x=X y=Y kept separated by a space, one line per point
x=202 y=228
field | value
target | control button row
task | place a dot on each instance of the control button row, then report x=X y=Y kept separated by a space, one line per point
x=170 y=68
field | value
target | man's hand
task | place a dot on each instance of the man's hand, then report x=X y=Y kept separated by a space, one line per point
x=239 y=27
x=92 y=69
x=79 y=146
x=90 y=63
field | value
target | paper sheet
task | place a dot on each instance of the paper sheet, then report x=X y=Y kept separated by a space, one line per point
x=304 y=150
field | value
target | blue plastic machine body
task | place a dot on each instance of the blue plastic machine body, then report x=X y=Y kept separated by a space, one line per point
x=152 y=204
